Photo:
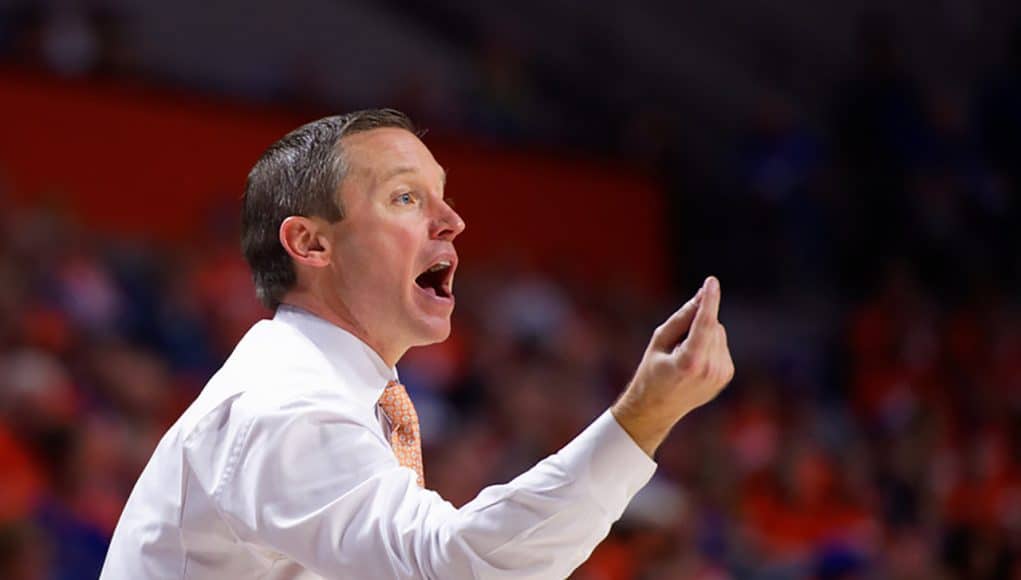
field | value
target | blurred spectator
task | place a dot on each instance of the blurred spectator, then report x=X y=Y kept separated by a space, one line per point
x=72 y=39
x=24 y=553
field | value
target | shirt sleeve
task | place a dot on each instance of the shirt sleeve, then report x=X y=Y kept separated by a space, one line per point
x=320 y=487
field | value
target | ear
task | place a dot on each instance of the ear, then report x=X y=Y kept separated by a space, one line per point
x=305 y=241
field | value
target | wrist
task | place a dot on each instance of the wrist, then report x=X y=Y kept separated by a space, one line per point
x=643 y=426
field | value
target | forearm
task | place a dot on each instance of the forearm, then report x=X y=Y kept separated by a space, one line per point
x=545 y=522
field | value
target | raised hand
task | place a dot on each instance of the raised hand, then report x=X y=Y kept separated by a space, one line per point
x=675 y=375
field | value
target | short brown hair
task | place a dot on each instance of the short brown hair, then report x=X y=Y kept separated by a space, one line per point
x=298 y=175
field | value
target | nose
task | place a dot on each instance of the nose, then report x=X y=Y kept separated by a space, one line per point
x=448 y=224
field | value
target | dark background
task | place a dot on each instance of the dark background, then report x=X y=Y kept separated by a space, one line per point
x=849 y=170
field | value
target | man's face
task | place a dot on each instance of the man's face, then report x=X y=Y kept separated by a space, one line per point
x=393 y=259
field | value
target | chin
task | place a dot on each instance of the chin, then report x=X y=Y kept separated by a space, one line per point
x=430 y=332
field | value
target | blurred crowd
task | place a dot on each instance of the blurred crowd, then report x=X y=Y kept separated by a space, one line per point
x=897 y=454
x=889 y=447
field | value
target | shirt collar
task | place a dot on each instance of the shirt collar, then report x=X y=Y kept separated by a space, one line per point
x=357 y=365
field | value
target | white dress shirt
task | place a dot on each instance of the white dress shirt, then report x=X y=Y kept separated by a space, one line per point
x=281 y=469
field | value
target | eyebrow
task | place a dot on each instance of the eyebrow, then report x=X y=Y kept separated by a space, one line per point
x=409 y=169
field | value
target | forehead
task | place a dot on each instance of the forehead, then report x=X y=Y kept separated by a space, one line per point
x=380 y=154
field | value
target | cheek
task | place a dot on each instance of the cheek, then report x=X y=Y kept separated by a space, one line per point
x=401 y=243
x=388 y=256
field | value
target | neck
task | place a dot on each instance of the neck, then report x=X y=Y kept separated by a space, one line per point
x=341 y=317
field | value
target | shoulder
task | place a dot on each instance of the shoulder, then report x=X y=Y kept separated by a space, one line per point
x=274 y=362
x=271 y=348
x=274 y=373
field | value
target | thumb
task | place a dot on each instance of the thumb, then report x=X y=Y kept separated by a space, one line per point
x=669 y=333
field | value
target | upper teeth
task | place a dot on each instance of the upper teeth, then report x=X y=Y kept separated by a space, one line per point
x=439 y=266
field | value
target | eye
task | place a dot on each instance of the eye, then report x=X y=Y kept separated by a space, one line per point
x=404 y=199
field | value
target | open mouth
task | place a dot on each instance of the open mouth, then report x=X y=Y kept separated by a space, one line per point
x=438 y=279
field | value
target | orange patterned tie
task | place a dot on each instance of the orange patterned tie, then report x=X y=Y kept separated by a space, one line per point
x=404 y=437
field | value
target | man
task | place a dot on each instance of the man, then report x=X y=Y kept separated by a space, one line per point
x=301 y=459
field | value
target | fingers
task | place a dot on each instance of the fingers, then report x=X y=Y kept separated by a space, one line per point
x=728 y=359
x=706 y=318
x=709 y=310
x=668 y=334
x=722 y=352
x=711 y=360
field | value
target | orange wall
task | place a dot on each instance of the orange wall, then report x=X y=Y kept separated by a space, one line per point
x=140 y=162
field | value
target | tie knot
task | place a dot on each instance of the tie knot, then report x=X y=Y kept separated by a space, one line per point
x=397 y=405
